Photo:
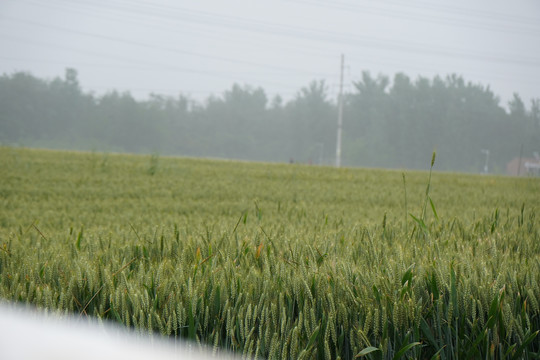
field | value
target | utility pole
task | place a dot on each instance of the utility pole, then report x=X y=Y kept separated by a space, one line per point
x=340 y=115
x=486 y=152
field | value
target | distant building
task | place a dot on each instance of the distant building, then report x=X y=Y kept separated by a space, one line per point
x=527 y=167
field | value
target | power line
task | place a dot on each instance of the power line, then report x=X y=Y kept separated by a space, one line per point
x=198 y=17
x=135 y=11
x=393 y=13
x=344 y=39
x=146 y=45
x=169 y=68
x=468 y=12
x=124 y=19
x=437 y=19
x=189 y=18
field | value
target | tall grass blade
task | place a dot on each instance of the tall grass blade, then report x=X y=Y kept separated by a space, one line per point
x=404 y=349
x=366 y=351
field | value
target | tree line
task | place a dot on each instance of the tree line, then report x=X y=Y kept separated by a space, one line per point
x=386 y=123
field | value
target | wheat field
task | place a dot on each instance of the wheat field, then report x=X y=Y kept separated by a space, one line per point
x=276 y=260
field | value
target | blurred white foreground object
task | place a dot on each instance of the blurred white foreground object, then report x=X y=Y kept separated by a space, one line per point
x=27 y=334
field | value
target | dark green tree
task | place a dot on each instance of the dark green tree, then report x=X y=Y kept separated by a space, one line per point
x=312 y=120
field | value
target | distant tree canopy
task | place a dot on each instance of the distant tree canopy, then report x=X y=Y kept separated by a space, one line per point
x=394 y=124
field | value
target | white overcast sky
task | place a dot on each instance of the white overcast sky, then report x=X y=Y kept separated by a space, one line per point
x=202 y=47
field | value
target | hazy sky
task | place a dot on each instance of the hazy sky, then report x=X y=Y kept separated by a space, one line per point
x=202 y=47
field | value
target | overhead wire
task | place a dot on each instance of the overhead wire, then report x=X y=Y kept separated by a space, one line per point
x=141 y=16
x=483 y=13
x=170 y=68
x=151 y=46
x=476 y=21
x=136 y=11
x=345 y=39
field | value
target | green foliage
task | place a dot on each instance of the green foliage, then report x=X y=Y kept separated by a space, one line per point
x=154 y=163
x=387 y=123
x=276 y=261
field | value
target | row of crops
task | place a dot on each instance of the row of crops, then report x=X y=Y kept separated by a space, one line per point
x=276 y=261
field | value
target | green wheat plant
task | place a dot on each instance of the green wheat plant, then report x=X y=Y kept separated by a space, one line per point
x=276 y=261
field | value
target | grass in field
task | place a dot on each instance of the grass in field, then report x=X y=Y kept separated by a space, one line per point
x=279 y=261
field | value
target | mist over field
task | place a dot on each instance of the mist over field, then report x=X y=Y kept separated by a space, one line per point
x=392 y=123
x=262 y=81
